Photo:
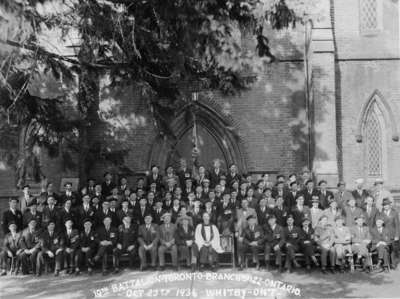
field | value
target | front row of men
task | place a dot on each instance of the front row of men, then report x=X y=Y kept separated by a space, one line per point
x=34 y=250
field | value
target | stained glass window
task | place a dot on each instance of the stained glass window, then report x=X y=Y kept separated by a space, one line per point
x=373 y=137
x=369 y=16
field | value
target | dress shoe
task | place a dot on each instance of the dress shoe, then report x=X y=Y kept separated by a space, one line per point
x=116 y=271
x=323 y=270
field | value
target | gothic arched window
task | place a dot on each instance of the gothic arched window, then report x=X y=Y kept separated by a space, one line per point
x=373 y=155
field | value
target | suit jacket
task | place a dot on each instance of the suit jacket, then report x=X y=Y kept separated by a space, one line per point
x=262 y=215
x=51 y=243
x=121 y=214
x=215 y=177
x=71 y=241
x=360 y=198
x=64 y=214
x=370 y=216
x=289 y=201
x=167 y=234
x=308 y=196
x=241 y=217
x=274 y=236
x=307 y=237
x=342 y=198
x=324 y=235
x=157 y=216
x=24 y=203
x=53 y=215
x=281 y=215
x=158 y=180
x=140 y=216
x=12 y=244
x=357 y=236
x=391 y=222
x=181 y=236
x=196 y=216
x=75 y=200
x=324 y=199
x=110 y=235
x=230 y=178
x=342 y=235
x=183 y=175
x=81 y=215
x=377 y=237
x=292 y=236
x=127 y=236
x=148 y=236
x=88 y=240
x=298 y=215
x=257 y=234
x=30 y=239
x=351 y=214
x=100 y=215
x=107 y=188
x=9 y=216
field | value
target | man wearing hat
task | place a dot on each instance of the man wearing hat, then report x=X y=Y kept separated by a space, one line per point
x=380 y=192
x=324 y=195
x=361 y=239
x=351 y=211
x=342 y=241
x=300 y=211
x=51 y=251
x=167 y=241
x=127 y=240
x=308 y=192
x=342 y=196
x=12 y=215
x=252 y=238
x=381 y=243
x=71 y=246
x=107 y=238
x=88 y=243
x=148 y=238
x=292 y=241
x=12 y=247
x=359 y=193
x=274 y=237
x=324 y=237
x=307 y=243
x=30 y=244
x=107 y=185
x=187 y=247
x=392 y=223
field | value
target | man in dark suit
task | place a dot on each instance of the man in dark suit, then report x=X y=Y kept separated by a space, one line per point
x=324 y=195
x=124 y=211
x=292 y=241
x=12 y=215
x=31 y=245
x=143 y=210
x=107 y=238
x=233 y=175
x=127 y=240
x=26 y=198
x=300 y=211
x=66 y=212
x=184 y=173
x=263 y=212
x=154 y=178
x=216 y=173
x=289 y=201
x=360 y=194
x=69 y=194
x=105 y=212
x=308 y=193
x=226 y=212
x=280 y=212
x=51 y=251
x=50 y=212
x=108 y=185
x=252 y=238
x=275 y=241
x=32 y=212
x=187 y=248
x=148 y=237
x=381 y=243
x=88 y=243
x=307 y=243
x=370 y=211
x=71 y=247
x=84 y=211
x=158 y=211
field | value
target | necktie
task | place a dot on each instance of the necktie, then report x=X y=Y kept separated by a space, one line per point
x=148 y=226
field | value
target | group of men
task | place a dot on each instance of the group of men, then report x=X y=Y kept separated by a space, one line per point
x=185 y=213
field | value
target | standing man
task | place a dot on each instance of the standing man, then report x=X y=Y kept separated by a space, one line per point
x=351 y=212
x=148 y=241
x=216 y=173
x=167 y=242
x=108 y=185
x=26 y=198
x=308 y=192
x=12 y=215
x=324 y=195
x=342 y=196
x=370 y=211
x=360 y=194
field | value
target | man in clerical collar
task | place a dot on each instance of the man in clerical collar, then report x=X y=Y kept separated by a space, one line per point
x=207 y=239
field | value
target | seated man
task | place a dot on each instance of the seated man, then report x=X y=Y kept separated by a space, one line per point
x=31 y=246
x=342 y=242
x=324 y=238
x=252 y=238
x=275 y=240
x=307 y=243
x=12 y=247
x=148 y=241
x=107 y=237
x=381 y=243
x=291 y=236
x=88 y=242
x=207 y=239
x=361 y=238
x=71 y=246
x=167 y=241
x=127 y=239
x=50 y=249
x=187 y=248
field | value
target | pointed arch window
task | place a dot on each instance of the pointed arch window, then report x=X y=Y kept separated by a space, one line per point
x=373 y=155
x=370 y=16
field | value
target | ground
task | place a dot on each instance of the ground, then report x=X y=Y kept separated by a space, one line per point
x=230 y=284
